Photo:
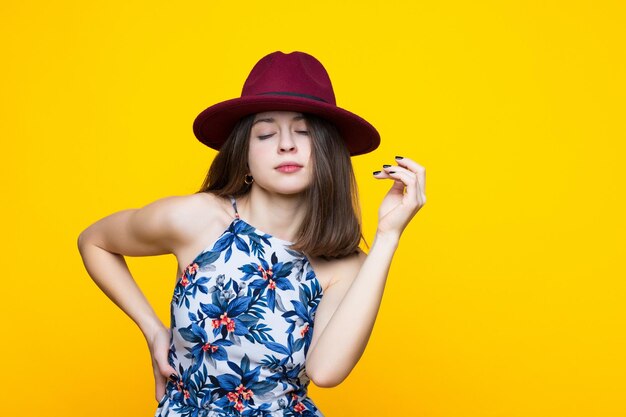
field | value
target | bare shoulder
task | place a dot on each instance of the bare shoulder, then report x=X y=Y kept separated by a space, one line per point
x=192 y=213
x=162 y=226
x=185 y=215
x=202 y=219
x=198 y=219
x=332 y=271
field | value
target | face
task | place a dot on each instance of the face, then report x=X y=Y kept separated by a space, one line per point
x=279 y=156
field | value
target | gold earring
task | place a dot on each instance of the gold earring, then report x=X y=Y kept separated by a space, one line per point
x=248 y=179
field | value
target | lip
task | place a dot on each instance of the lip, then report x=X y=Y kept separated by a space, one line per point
x=289 y=167
x=289 y=163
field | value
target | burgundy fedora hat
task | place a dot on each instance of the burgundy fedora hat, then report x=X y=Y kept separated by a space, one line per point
x=295 y=81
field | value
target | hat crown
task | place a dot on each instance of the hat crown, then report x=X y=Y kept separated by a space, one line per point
x=296 y=73
x=297 y=82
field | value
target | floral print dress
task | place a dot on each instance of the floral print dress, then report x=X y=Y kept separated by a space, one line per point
x=242 y=317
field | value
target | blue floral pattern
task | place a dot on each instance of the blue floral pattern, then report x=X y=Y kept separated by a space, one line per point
x=242 y=318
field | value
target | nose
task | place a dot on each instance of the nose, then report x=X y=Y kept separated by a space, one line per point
x=287 y=144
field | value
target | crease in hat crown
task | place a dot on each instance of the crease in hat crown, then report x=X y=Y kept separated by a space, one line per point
x=296 y=81
x=317 y=86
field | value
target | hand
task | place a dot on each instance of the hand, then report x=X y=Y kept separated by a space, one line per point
x=398 y=208
x=159 y=344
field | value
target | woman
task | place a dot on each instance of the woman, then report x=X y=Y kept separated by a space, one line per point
x=267 y=251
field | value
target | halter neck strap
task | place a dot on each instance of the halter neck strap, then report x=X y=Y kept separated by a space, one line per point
x=234 y=203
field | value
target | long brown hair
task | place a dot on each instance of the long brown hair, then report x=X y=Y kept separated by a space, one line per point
x=331 y=227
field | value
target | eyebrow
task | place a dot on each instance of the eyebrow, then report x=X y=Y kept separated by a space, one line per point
x=271 y=119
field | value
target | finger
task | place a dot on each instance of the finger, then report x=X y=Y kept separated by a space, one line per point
x=159 y=382
x=421 y=180
x=165 y=369
x=397 y=168
x=409 y=175
x=406 y=180
x=402 y=177
x=418 y=169
x=163 y=372
x=380 y=174
x=409 y=163
x=386 y=169
x=398 y=185
x=409 y=180
x=417 y=185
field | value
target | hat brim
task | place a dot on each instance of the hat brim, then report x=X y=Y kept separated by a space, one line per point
x=213 y=125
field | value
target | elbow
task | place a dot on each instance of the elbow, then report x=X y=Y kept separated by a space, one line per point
x=326 y=379
x=83 y=240
x=80 y=242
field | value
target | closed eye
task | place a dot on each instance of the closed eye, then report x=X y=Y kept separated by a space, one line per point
x=305 y=132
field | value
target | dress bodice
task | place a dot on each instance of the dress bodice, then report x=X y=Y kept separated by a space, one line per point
x=242 y=318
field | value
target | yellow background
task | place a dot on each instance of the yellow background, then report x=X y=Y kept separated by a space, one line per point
x=506 y=295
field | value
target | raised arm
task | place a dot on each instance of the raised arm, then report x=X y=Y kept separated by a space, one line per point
x=345 y=317
x=152 y=230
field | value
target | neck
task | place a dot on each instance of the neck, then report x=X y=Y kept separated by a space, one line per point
x=280 y=215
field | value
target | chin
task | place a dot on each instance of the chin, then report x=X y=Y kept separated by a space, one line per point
x=291 y=191
x=286 y=189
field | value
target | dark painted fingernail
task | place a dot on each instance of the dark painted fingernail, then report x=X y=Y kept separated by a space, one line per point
x=386 y=166
x=392 y=172
x=376 y=172
x=174 y=377
x=399 y=157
